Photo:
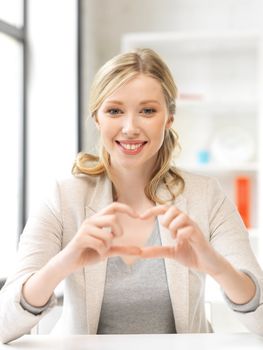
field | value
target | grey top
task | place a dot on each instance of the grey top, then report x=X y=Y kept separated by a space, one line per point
x=136 y=297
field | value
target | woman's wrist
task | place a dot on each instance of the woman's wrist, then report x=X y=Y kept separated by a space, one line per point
x=237 y=286
x=38 y=289
x=218 y=267
x=214 y=263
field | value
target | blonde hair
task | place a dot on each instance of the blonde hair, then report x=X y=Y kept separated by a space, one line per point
x=115 y=73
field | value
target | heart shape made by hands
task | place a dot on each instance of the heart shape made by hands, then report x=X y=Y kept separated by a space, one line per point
x=135 y=243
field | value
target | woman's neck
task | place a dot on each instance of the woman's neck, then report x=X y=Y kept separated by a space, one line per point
x=129 y=188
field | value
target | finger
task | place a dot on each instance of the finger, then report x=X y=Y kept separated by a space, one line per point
x=124 y=250
x=178 y=223
x=187 y=233
x=95 y=244
x=170 y=215
x=107 y=221
x=105 y=237
x=155 y=211
x=158 y=252
x=117 y=207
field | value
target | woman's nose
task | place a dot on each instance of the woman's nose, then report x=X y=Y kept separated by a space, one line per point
x=130 y=128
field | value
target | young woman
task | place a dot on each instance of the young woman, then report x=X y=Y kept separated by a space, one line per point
x=132 y=236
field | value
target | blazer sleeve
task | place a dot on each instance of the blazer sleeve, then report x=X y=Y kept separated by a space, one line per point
x=40 y=241
x=229 y=236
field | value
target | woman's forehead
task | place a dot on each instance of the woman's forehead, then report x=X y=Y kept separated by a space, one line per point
x=141 y=87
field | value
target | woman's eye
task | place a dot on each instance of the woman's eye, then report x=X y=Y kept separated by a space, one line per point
x=148 y=111
x=114 y=111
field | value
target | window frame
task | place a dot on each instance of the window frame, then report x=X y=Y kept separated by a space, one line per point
x=19 y=34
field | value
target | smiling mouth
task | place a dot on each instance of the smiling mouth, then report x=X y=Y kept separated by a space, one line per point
x=131 y=147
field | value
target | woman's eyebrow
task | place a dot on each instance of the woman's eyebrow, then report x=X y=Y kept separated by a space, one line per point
x=114 y=101
x=144 y=102
x=149 y=101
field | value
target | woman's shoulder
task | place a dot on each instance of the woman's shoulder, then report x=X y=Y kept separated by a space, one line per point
x=190 y=176
x=194 y=182
x=75 y=191
x=80 y=183
x=80 y=180
x=202 y=191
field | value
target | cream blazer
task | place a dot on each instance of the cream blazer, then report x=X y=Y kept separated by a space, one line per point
x=58 y=218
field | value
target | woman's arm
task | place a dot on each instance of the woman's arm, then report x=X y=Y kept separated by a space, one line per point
x=224 y=251
x=38 y=289
x=90 y=245
x=41 y=263
x=192 y=250
x=237 y=285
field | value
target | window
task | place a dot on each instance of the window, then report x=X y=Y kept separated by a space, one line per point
x=38 y=115
x=11 y=11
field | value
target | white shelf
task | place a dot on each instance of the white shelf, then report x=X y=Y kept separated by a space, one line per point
x=243 y=105
x=253 y=232
x=183 y=42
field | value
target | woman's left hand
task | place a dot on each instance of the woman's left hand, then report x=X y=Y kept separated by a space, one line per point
x=190 y=246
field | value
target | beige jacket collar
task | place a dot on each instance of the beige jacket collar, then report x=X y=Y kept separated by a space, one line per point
x=177 y=275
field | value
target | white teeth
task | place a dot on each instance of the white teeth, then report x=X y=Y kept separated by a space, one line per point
x=131 y=146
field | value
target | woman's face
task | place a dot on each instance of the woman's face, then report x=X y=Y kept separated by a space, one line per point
x=132 y=122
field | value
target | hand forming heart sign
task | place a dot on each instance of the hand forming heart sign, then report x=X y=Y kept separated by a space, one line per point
x=190 y=246
x=93 y=243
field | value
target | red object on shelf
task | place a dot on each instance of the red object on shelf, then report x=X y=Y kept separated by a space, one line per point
x=243 y=200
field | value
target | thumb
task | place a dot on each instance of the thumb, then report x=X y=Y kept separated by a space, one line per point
x=124 y=250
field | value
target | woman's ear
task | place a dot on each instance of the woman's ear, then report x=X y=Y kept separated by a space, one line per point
x=170 y=121
x=96 y=122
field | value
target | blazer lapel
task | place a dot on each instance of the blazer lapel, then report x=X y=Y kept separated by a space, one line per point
x=177 y=274
x=95 y=275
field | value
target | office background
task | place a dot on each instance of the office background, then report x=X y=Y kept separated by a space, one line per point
x=49 y=53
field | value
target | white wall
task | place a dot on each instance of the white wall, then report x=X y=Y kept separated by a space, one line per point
x=106 y=21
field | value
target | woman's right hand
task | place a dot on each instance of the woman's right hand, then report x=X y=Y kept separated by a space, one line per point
x=94 y=241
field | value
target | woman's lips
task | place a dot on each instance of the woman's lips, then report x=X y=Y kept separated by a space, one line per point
x=131 y=147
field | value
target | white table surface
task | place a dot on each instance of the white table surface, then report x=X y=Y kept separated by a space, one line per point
x=213 y=341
